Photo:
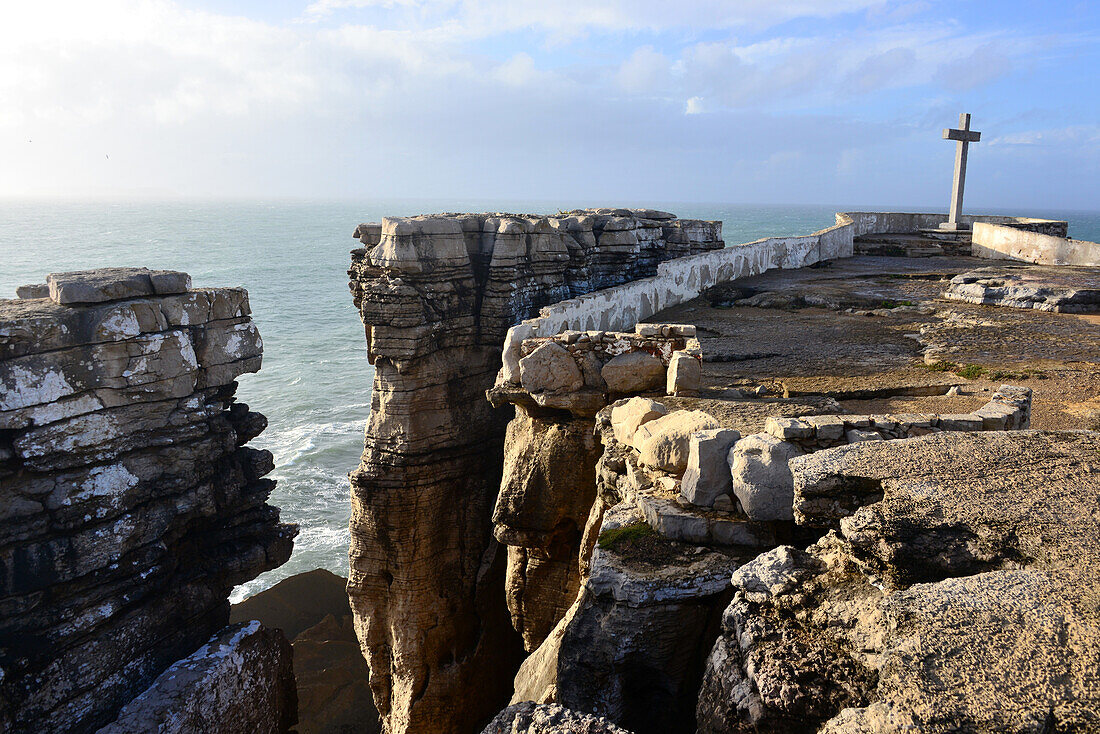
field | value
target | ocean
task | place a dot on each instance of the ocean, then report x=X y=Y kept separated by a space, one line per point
x=292 y=257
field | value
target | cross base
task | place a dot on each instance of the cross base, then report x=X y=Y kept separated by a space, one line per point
x=954 y=226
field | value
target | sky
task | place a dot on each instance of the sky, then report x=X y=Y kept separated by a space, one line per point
x=608 y=101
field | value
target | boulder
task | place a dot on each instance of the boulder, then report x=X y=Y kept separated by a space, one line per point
x=550 y=369
x=685 y=375
x=633 y=372
x=708 y=472
x=113 y=284
x=628 y=417
x=241 y=680
x=664 y=443
x=761 y=478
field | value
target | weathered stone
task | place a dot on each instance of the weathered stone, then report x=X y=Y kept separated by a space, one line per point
x=548 y=718
x=663 y=443
x=628 y=416
x=629 y=648
x=34 y=290
x=633 y=372
x=241 y=680
x=855 y=435
x=787 y=428
x=312 y=610
x=685 y=375
x=761 y=478
x=723 y=503
x=135 y=506
x=550 y=369
x=953 y=542
x=438 y=296
x=114 y=284
x=708 y=472
x=546 y=492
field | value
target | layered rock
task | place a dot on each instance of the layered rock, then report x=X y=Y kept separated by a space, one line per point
x=437 y=295
x=131 y=505
x=957 y=598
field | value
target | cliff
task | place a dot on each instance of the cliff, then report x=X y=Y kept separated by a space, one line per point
x=131 y=504
x=437 y=296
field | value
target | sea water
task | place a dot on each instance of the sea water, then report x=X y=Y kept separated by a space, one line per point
x=292 y=257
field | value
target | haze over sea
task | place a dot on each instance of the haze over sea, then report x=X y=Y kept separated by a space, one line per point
x=292 y=257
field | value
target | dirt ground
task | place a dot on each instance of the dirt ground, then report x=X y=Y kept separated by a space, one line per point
x=877 y=335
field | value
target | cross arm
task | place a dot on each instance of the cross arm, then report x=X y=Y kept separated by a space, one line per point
x=967 y=136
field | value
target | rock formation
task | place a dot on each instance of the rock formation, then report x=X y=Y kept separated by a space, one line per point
x=960 y=597
x=437 y=295
x=130 y=505
x=312 y=610
x=532 y=718
x=240 y=681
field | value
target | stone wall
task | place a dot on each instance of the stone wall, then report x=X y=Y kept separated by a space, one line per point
x=1000 y=242
x=131 y=505
x=437 y=295
x=903 y=223
x=676 y=281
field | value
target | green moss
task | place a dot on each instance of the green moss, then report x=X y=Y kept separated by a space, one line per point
x=609 y=539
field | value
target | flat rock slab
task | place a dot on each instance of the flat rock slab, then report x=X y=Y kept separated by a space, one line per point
x=1061 y=289
x=114 y=284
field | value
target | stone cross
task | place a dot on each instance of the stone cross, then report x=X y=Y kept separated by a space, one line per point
x=964 y=137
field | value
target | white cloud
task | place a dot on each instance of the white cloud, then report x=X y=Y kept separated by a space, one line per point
x=646 y=71
x=694 y=106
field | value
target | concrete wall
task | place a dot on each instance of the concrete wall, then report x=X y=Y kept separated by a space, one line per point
x=677 y=281
x=901 y=222
x=1010 y=243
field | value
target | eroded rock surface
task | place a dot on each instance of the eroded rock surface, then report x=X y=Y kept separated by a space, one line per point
x=130 y=504
x=961 y=596
x=437 y=295
x=241 y=680
x=532 y=718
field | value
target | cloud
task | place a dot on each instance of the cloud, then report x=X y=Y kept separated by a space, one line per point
x=645 y=71
x=985 y=64
x=423 y=98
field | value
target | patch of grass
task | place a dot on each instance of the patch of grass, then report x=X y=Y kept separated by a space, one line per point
x=942 y=366
x=610 y=539
x=970 y=371
x=896 y=304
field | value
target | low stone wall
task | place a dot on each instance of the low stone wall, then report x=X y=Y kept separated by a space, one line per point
x=684 y=278
x=1000 y=242
x=679 y=280
x=903 y=222
x=1008 y=410
x=130 y=504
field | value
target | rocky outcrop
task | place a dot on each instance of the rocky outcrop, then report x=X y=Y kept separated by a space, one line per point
x=549 y=480
x=532 y=718
x=957 y=598
x=437 y=295
x=240 y=681
x=1064 y=289
x=312 y=610
x=130 y=504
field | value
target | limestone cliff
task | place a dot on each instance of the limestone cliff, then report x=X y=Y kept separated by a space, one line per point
x=130 y=504
x=437 y=295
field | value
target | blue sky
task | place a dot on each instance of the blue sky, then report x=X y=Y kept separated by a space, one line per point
x=758 y=101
